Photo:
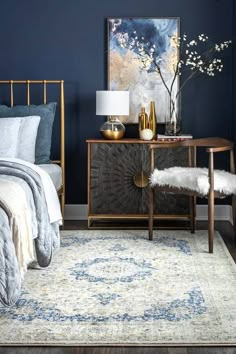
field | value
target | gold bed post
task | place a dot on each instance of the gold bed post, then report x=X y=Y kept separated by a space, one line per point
x=62 y=128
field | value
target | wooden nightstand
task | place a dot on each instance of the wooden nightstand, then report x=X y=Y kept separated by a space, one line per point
x=118 y=172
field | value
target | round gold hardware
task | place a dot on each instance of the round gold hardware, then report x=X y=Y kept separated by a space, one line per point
x=141 y=180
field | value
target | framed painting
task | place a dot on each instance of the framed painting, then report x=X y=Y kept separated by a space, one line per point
x=137 y=47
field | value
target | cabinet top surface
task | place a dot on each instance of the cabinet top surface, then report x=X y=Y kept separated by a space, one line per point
x=126 y=141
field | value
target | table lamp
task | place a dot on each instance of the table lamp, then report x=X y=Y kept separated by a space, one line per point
x=112 y=104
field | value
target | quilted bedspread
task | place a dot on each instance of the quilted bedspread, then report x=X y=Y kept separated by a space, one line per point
x=45 y=234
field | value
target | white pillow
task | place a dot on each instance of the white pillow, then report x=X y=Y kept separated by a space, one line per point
x=27 y=138
x=9 y=134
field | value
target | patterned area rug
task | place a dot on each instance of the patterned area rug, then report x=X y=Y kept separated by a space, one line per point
x=116 y=287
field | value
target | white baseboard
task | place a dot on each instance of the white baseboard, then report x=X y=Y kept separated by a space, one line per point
x=222 y=212
x=76 y=212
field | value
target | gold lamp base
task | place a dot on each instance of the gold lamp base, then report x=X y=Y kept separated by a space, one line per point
x=112 y=134
x=112 y=129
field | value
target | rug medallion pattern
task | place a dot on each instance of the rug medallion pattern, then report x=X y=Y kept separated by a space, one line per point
x=116 y=287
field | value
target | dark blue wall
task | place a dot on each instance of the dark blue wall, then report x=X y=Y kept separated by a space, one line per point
x=66 y=39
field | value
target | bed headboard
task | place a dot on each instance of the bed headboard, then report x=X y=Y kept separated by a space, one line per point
x=44 y=83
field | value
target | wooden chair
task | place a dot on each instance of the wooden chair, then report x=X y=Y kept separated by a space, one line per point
x=194 y=181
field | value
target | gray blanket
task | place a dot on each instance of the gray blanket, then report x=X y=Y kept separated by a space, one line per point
x=46 y=239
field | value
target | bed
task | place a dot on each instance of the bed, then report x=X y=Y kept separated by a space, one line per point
x=31 y=185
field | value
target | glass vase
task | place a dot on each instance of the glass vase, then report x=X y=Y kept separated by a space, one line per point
x=173 y=115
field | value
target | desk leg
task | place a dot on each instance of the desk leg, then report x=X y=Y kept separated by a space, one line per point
x=193 y=214
x=151 y=200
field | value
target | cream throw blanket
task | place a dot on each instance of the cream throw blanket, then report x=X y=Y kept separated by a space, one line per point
x=13 y=199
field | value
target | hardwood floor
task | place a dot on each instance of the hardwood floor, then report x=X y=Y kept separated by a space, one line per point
x=226 y=231
x=117 y=350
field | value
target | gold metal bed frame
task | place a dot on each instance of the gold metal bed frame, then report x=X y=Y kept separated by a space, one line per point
x=61 y=161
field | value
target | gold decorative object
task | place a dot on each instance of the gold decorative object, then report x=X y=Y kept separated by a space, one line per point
x=143 y=121
x=141 y=180
x=152 y=122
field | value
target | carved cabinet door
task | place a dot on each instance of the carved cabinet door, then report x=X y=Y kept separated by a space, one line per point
x=119 y=176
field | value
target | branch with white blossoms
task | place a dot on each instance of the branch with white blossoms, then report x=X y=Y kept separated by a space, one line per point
x=201 y=61
x=196 y=56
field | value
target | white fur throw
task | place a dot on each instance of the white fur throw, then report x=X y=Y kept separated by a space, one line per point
x=194 y=179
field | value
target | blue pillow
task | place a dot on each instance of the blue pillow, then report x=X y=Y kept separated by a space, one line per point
x=44 y=136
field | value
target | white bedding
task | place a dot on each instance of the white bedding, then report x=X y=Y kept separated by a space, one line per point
x=51 y=196
x=54 y=172
x=15 y=202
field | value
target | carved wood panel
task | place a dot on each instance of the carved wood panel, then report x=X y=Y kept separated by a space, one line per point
x=113 y=188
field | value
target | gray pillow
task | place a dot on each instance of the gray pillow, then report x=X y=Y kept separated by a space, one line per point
x=44 y=136
x=9 y=133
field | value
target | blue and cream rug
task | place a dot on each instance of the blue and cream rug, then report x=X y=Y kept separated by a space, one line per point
x=116 y=287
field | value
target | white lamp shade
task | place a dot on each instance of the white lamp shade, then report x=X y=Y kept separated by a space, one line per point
x=112 y=103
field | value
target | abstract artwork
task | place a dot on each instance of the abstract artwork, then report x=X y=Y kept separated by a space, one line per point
x=137 y=47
